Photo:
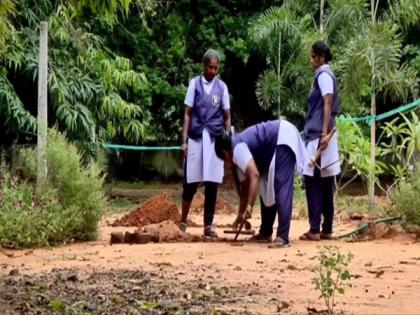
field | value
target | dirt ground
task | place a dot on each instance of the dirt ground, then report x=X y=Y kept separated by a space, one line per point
x=205 y=277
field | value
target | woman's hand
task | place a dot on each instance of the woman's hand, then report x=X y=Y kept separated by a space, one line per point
x=184 y=148
x=323 y=142
x=237 y=222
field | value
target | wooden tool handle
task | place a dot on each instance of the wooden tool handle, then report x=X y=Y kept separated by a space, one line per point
x=318 y=152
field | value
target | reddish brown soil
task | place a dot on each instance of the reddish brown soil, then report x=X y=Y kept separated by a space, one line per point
x=155 y=210
x=168 y=231
x=222 y=206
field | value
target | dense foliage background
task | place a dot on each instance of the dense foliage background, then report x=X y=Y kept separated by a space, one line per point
x=119 y=69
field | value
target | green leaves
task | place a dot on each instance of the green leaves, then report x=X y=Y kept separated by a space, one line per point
x=106 y=10
x=406 y=197
x=90 y=88
x=268 y=89
x=404 y=12
x=332 y=274
x=7 y=10
x=274 y=21
x=68 y=208
x=17 y=117
x=355 y=153
x=402 y=143
x=57 y=305
x=279 y=35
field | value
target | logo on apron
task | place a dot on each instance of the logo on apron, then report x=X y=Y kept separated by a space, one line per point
x=215 y=100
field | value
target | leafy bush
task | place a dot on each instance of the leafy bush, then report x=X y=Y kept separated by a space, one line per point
x=402 y=145
x=355 y=155
x=69 y=207
x=406 y=198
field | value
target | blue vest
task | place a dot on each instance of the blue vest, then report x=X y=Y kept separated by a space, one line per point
x=314 y=116
x=207 y=110
x=262 y=142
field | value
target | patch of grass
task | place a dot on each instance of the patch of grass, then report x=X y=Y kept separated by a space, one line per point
x=118 y=205
x=361 y=205
x=138 y=185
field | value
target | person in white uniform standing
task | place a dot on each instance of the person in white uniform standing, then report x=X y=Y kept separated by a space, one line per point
x=207 y=115
x=323 y=106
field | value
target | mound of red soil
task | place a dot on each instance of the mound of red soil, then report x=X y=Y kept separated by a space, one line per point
x=168 y=231
x=222 y=206
x=155 y=210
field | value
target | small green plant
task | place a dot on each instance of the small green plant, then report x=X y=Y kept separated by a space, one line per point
x=402 y=145
x=405 y=199
x=355 y=157
x=332 y=274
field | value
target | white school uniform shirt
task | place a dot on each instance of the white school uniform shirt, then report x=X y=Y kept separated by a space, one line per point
x=330 y=161
x=287 y=135
x=202 y=162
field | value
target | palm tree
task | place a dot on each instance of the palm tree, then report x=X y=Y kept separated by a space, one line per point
x=373 y=58
x=278 y=32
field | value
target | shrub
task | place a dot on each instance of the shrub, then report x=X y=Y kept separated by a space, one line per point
x=69 y=207
x=332 y=274
x=406 y=198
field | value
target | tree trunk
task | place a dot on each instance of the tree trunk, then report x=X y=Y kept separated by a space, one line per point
x=278 y=77
x=13 y=157
x=371 y=182
x=321 y=16
x=42 y=105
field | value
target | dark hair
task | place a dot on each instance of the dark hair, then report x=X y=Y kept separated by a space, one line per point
x=320 y=48
x=222 y=143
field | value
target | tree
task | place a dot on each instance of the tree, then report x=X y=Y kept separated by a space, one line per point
x=373 y=58
x=93 y=92
x=278 y=32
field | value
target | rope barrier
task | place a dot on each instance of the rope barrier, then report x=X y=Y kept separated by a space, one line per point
x=366 y=119
x=369 y=118
x=141 y=148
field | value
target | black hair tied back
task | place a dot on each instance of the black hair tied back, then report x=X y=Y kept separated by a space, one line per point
x=320 y=48
x=223 y=143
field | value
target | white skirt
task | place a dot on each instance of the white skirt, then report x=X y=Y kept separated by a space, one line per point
x=330 y=161
x=202 y=163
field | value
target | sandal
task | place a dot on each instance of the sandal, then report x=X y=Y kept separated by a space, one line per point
x=309 y=236
x=326 y=236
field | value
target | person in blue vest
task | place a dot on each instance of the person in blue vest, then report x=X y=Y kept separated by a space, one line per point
x=265 y=156
x=206 y=116
x=323 y=106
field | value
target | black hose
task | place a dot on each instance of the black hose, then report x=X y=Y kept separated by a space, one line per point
x=365 y=225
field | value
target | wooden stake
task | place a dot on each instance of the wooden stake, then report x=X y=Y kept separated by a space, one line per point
x=42 y=105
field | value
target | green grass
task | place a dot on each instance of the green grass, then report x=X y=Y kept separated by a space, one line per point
x=140 y=185
x=119 y=205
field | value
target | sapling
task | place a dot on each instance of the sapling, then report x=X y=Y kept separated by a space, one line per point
x=332 y=274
